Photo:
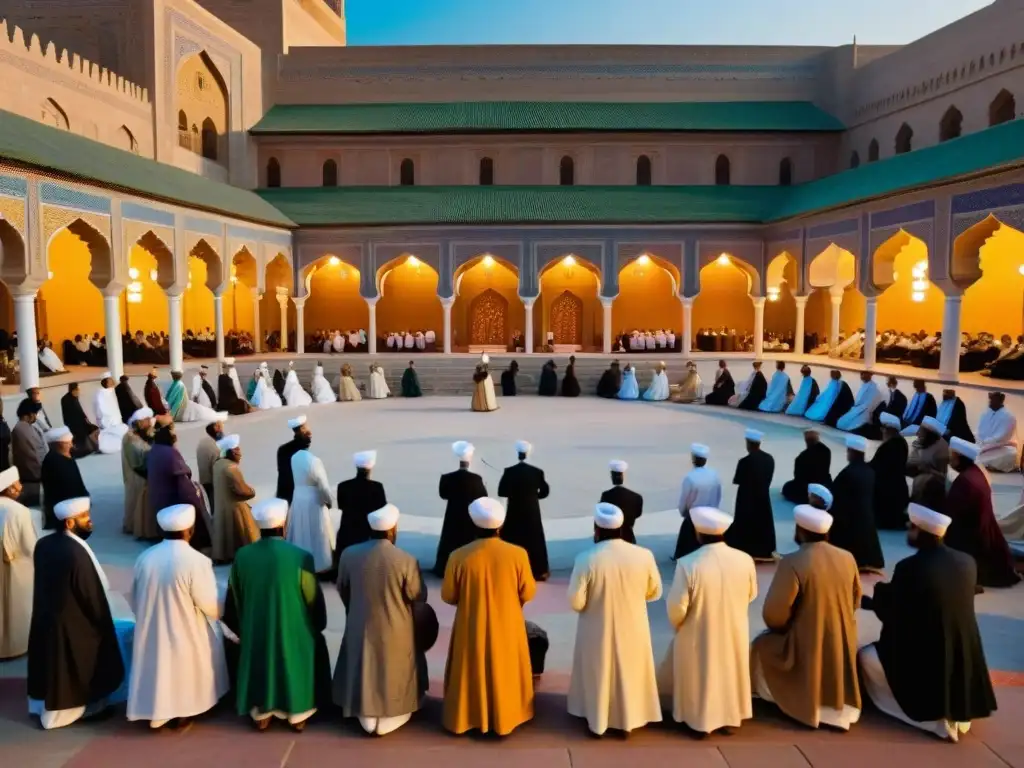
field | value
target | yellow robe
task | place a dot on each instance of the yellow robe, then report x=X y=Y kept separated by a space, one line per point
x=488 y=682
x=17 y=574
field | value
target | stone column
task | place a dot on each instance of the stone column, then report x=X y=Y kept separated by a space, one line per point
x=949 y=359
x=282 y=302
x=177 y=354
x=112 y=328
x=870 y=330
x=833 y=332
x=687 y=330
x=257 y=334
x=528 y=330
x=798 y=340
x=758 y=326
x=446 y=330
x=25 y=325
x=606 y=333
x=300 y=325
x=371 y=333
x=218 y=323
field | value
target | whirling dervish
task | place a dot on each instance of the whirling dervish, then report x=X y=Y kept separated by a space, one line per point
x=629 y=390
x=322 y=391
x=779 y=391
x=294 y=394
x=659 y=389
x=264 y=397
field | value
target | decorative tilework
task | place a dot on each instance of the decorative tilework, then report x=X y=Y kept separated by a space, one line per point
x=144 y=213
x=12 y=210
x=55 y=219
x=57 y=194
x=204 y=226
x=12 y=186
x=832 y=229
x=988 y=199
x=903 y=215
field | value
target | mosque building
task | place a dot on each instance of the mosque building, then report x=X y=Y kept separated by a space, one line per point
x=233 y=168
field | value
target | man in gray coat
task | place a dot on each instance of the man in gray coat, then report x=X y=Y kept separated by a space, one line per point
x=381 y=675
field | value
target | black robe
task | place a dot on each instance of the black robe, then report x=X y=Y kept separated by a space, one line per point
x=5 y=445
x=570 y=384
x=285 y=479
x=753 y=527
x=410 y=384
x=896 y=404
x=609 y=384
x=958 y=426
x=73 y=656
x=228 y=398
x=524 y=486
x=84 y=433
x=842 y=403
x=508 y=383
x=930 y=646
x=279 y=385
x=127 y=401
x=813 y=465
x=357 y=498
x=548 y=382
x=208 y=389
x=632 y=505
x=891 y=495
x=460 y=489
x=928 y=409
x=853 y=519
x=61 y=480
x=723 y=388
x=758 y=389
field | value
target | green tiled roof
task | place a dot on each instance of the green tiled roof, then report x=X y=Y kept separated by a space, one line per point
x=543 y=116
x=33 y=144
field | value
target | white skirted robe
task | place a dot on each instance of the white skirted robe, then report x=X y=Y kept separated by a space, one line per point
x=108 y=419
x=997 y=437
x=868 y=398
x=704 y=678
x=339 y=343
x=659 y=389
x=49 y=358
x=775 y=398
x=614 y=684
x=378 y=389
x=294 y=394
x=265 y=398
x=198 y=394
x=798 y=405
x=179 y=668
x=236 y=383
x=742 y=390
x=17 y=576
x=322 y=392
x=309 y=519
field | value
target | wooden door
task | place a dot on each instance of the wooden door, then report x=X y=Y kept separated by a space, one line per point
x=488 y=319
x=567 y=319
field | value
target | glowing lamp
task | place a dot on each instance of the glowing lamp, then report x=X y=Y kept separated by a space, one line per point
x=917 y=296
x=922 y=266
x=920 y=286
x=488 y=262
x=412 y=261
x=334 y=261
x=723 y=259
x=135 y=287
x=153 y=275
x=644 y=260
x=773 y=294
x=134 y=298
x=188 y=287
x=234 y=279
x=895 y=276
x=49 y=275
x=133 y=273
x=1021 y=269
x=569 y=261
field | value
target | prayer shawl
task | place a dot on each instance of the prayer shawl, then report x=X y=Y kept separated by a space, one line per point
x=842 y=404
x=818 y=410
x=775 y=399
x=869 y=397
x=953 y=414
x=921 y=404
x=805 y=397
x=177 y=400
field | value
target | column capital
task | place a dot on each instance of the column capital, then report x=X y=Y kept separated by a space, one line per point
x=299 y=301
x=282 y=300
x=954 y=299
x=371 y=302
x=23 y=296
x=758 y=301
x=837 y=298
x=606 y=302
x=174 y=297
x=688 y=301
x=219 y=293
x=871 y=300
x=256 y=295
x=801 y=301
x=447 y=302
x=528 y=301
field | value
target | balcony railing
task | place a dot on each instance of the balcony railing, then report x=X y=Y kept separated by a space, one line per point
x=189 y=141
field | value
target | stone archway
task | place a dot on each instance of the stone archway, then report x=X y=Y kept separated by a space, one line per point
x=567 y=319
x=488 y=320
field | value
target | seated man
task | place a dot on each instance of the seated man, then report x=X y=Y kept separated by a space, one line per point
x=997 y=436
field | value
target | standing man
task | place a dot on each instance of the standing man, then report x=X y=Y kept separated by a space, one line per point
x=27 y=451
x=753 y=528
x=630 y=502
x=853 y=510
x=705 y=677
x=74 y=662
x=524 y=486
x=890 y=467
x=997 y=436
x=17 y=544
x=613 y=683
x=309 y=519
x=275 y=607
x=381 y=675
x=134 y=454
x=358 y=497
x=806 y=661
x=178 y=669
x=928 y=667
x=302 y=438
x=974 y=529
x=207 y=454
x=928 y=464
x=488 y=680
x=460 y=489
x=813 y=465
x=701 y=488
x=233 y=525
x=62 y=479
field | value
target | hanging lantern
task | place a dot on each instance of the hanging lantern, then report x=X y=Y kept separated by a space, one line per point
x=917 y=296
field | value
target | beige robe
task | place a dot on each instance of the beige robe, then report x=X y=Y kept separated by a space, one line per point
x=705 y=676
x=17 y=575
x=807 y=659
x=207 y=454
x=140 y=520
x=233 y=524
x=613 y=681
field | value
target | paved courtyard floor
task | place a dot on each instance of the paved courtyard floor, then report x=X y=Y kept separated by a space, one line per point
x=574 y=439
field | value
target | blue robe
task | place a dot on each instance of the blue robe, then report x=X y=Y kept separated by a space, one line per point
x=629 y=390
x=823 y=404
x=775 y=399
x=806 y=397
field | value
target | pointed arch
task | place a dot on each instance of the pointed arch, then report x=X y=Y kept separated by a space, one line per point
x=53 y=114
x=407 y=173
x=273 y=173
x=127 y=140
x=244 y=268
x=407 y=286
x=209 y=139
x=723 y=171
x=951 y=125
x=726 y=285
x=201 y=89
x=904 y=139
x=333 y=301
x=648 y=295
x=643 y=171
x=834 y=267
x=907 y=298
x=566 y=171
x=781 y=283
x=873 y=151
x=1003 y=108
x=581 y=279
x=785 y=172
x=13 y=263
x=986 y=264
x=206 y=253
x=329 y=173
x=277 y=275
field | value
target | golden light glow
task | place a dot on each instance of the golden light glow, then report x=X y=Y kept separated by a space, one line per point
x=773 y=294
x=1021 y=269
x=133 y=273
x=134 y=298
x=153 y=274
x=412 y=261
x=334 y=261
x=488 y=261
x=644 y=260
x=919 y=286
x=723 y=259
x=49 y=275
x=234 y=279
x=917 y=296
x=135 y=287
x=569 y=261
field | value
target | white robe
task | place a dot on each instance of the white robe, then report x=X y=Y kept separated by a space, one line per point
x=17 y=576
x=339 y=343
x=108 y=419
x=198 y=393
x=309 y=519
x=775 y=399
x=378 y=389
x=705 y=676
x=613 y=681
x=629 y=390
x=265 y=397
x=997 y=438
x=659 y=389
x=741 y=391
x=410 y=341
x=179 y=668
x=322 y=392
x=49 y=358
x=701 y=488
x=294 y=394
x=233 y=374
x=799 y=404
x=868 y=398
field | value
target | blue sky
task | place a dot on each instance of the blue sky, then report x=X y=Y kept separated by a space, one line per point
x=735 y=22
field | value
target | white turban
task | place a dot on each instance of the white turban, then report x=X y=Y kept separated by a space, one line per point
x=812 y=519
x=297 y=422
x=8 y=478
x=179 y=517
x=754 y=435
x=365 y=460
x=523 y=447
x=270 y=513
x=228 y=443
x=463 y=450
x=384 y=519
x=59 y=435
x=69 y=508
x=219 y=416
x=936 y=426
x=857 y=443
x=106 y=375
x=141 y=414
x=608 y=516
x=710 y=520
x=487 y=513
x=928 y=519
x=228 y=361
x=619 y=466
x=823 y=493
x=700 y=450
x=890 y=420
x=965 y=449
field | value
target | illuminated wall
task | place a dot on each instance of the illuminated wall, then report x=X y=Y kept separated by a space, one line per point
x=853 y=311
x=647 y=300
x=818 y=313
x=68 y=303
x=237 y=307
x=334 y=302
x=197 y=300
x=724 y=298
x=995 y=303
x=780 y=307
x=896 y=306
x=582 y=283
x=6 y=309
x=149 y=312
x=481 y=276
x=409 y=300
x=279 y=275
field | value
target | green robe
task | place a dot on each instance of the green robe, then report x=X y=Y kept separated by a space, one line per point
x=251 y=390
x=411 y=383
x=276 y=608
x=177 y=399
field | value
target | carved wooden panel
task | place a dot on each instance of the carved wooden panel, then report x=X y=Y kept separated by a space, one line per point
x=488 y=319
x=567 y=319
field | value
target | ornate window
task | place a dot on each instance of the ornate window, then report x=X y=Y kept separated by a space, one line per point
x=407 y=173
x=951 y=124
x=273 y=173
x=1003 y=108
x=566 y=172
x=329 y=173
x=904 y=139
x=723 y=171
x=486 y=172
x=209 y=140
x=643 y=171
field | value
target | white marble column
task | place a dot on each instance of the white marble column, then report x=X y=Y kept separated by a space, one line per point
x=218 y=324
x=28 y=351
x=758 y=326
x=300 y=325
x=949 y=358
x=282 y=302
x=371 y=333
x=112 y=328
x=446 y=330
x=177 y=354
x=870 y=331
x=257 y=334
x=606 y=333
x=528 y=330
x=798 y=334
x=833 y=332
x=687 y=329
